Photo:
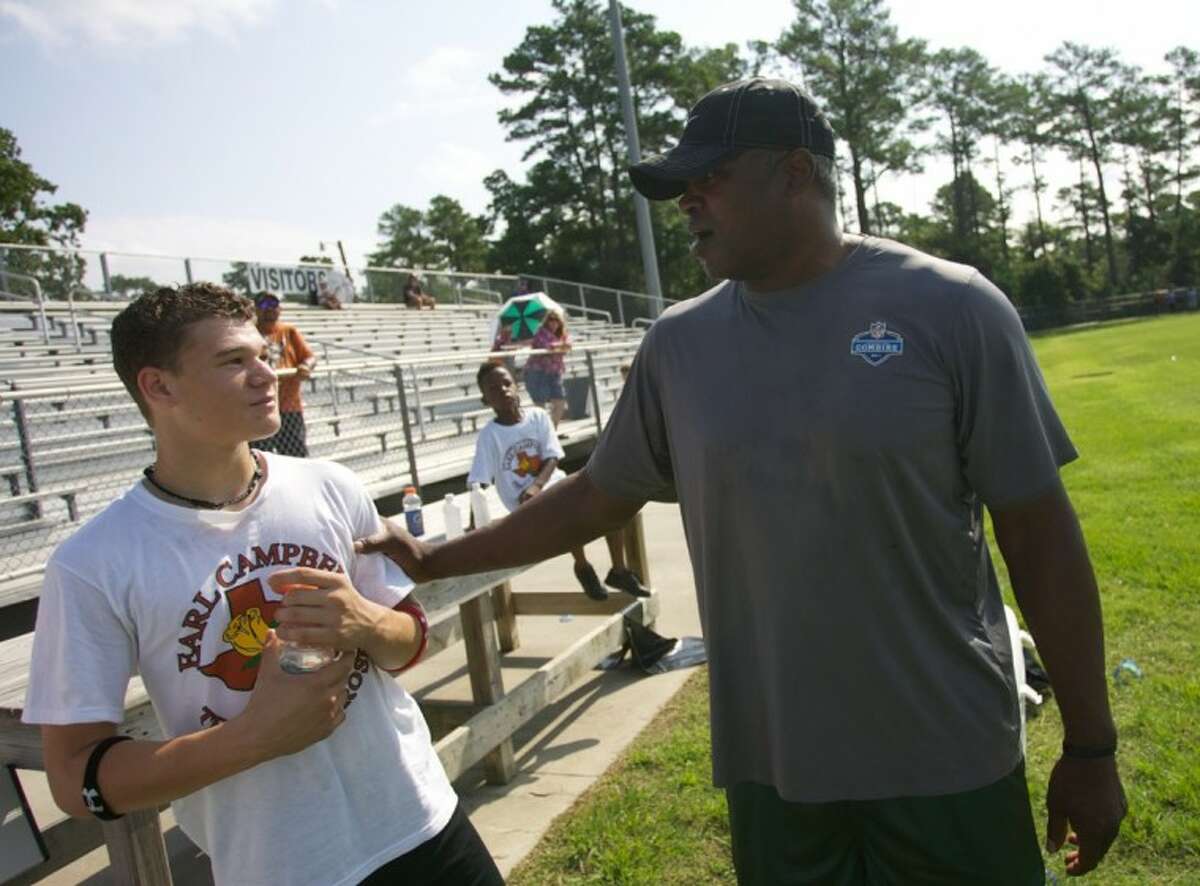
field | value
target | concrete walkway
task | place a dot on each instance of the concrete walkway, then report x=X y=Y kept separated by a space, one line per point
x=559 y=755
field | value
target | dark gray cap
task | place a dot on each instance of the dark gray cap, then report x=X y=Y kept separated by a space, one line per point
x=754 y=113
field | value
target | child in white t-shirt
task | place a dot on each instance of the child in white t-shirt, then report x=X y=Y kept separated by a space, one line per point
x=518 y=452
x=194 y=579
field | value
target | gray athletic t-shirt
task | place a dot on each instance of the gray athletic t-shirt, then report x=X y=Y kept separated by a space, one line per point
x=830 y=447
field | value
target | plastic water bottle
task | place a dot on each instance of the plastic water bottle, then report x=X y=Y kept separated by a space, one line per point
x=411 y=503
x=479 y=506
x=297 y=659
x=451 y=517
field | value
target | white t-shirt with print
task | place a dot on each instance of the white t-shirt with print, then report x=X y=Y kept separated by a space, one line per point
x=180 y=597
x=511 y=456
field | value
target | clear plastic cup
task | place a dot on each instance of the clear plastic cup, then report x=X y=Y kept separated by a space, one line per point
x=296 y=658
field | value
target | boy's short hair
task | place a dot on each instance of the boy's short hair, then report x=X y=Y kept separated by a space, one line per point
x=151 y=330
x=486 y=369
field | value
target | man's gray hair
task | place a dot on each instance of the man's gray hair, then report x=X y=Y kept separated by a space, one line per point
x=825 y=176
x=824 y=170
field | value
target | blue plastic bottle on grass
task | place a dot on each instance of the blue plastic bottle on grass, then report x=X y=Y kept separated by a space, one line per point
x=412 y=511
x=1126 y=672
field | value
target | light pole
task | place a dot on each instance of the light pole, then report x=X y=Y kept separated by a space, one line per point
x=645 y=230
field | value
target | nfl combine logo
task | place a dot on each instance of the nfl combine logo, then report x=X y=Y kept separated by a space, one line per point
x=877 y=345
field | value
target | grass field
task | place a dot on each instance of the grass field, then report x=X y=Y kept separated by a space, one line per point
x=1129 y=394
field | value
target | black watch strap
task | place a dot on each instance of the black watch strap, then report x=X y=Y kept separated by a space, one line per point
x=92 y=798
x=1088 y=752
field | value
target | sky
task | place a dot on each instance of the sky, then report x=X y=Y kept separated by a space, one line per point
x=261 y=128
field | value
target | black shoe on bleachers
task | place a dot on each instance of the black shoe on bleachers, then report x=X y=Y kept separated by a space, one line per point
x=626 y=580
x=590 y=581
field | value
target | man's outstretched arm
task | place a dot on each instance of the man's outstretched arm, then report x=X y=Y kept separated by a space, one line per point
x=1055 y=588
x=567 y=515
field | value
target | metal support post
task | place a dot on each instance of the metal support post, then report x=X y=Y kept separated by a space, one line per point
x=104 y=272
x=41 y=303
x=398 y=371
x=22 y=426
x=420 y=410
x=591 y=365
x=645 y=228
x=74 y=321
x=621 y=306
x=333 y=390
x=187 y=271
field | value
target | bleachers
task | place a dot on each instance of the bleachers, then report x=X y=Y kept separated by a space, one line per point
x=71 y=439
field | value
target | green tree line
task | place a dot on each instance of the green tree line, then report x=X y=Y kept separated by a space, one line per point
x=1129 y=221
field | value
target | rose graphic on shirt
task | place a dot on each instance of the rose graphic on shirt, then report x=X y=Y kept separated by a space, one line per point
x=247 y=633
x=250 y=615
x=528 y=464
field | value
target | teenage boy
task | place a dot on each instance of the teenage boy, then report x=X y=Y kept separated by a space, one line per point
x=190 y=580
x=518 y=453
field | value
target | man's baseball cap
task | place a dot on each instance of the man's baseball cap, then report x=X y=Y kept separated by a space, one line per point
x=266 y=300
x=754 y=113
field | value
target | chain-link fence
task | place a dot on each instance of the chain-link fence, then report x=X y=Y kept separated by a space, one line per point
x=88 y=275
x=65 y=452
x=93 y=275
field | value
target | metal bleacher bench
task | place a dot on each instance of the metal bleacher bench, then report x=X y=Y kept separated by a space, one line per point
x=31 y=502
x=479 y=610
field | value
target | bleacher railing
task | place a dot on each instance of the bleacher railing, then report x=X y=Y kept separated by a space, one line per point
x=7 y=278
x=94 y=274
x=106 y=273
x=66 y=450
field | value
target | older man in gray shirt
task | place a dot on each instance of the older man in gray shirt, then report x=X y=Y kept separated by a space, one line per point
x=832 y=420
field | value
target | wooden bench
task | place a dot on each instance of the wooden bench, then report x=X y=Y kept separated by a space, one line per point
x=480 y=610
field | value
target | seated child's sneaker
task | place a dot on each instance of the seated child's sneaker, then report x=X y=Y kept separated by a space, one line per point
x=590 y=581
x=626 y=580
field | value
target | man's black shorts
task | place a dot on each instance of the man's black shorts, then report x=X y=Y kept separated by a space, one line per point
x=983 y=836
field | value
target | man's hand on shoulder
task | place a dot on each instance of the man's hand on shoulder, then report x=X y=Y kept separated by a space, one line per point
x=410 y=554
x=1084 y=807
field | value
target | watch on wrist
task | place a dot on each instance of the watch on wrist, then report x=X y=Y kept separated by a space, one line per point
x=1089 y=752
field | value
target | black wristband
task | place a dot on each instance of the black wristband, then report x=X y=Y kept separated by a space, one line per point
x=1089 y=752
x=92 y=798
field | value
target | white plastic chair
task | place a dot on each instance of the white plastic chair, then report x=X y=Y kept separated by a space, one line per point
x=1025 y=692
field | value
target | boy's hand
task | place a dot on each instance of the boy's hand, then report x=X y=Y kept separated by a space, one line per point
x=288 y=712
x=529 y=492
x=401 y=548
x=321 y=608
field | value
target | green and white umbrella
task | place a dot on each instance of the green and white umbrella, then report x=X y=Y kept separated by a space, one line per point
x=522 y=315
